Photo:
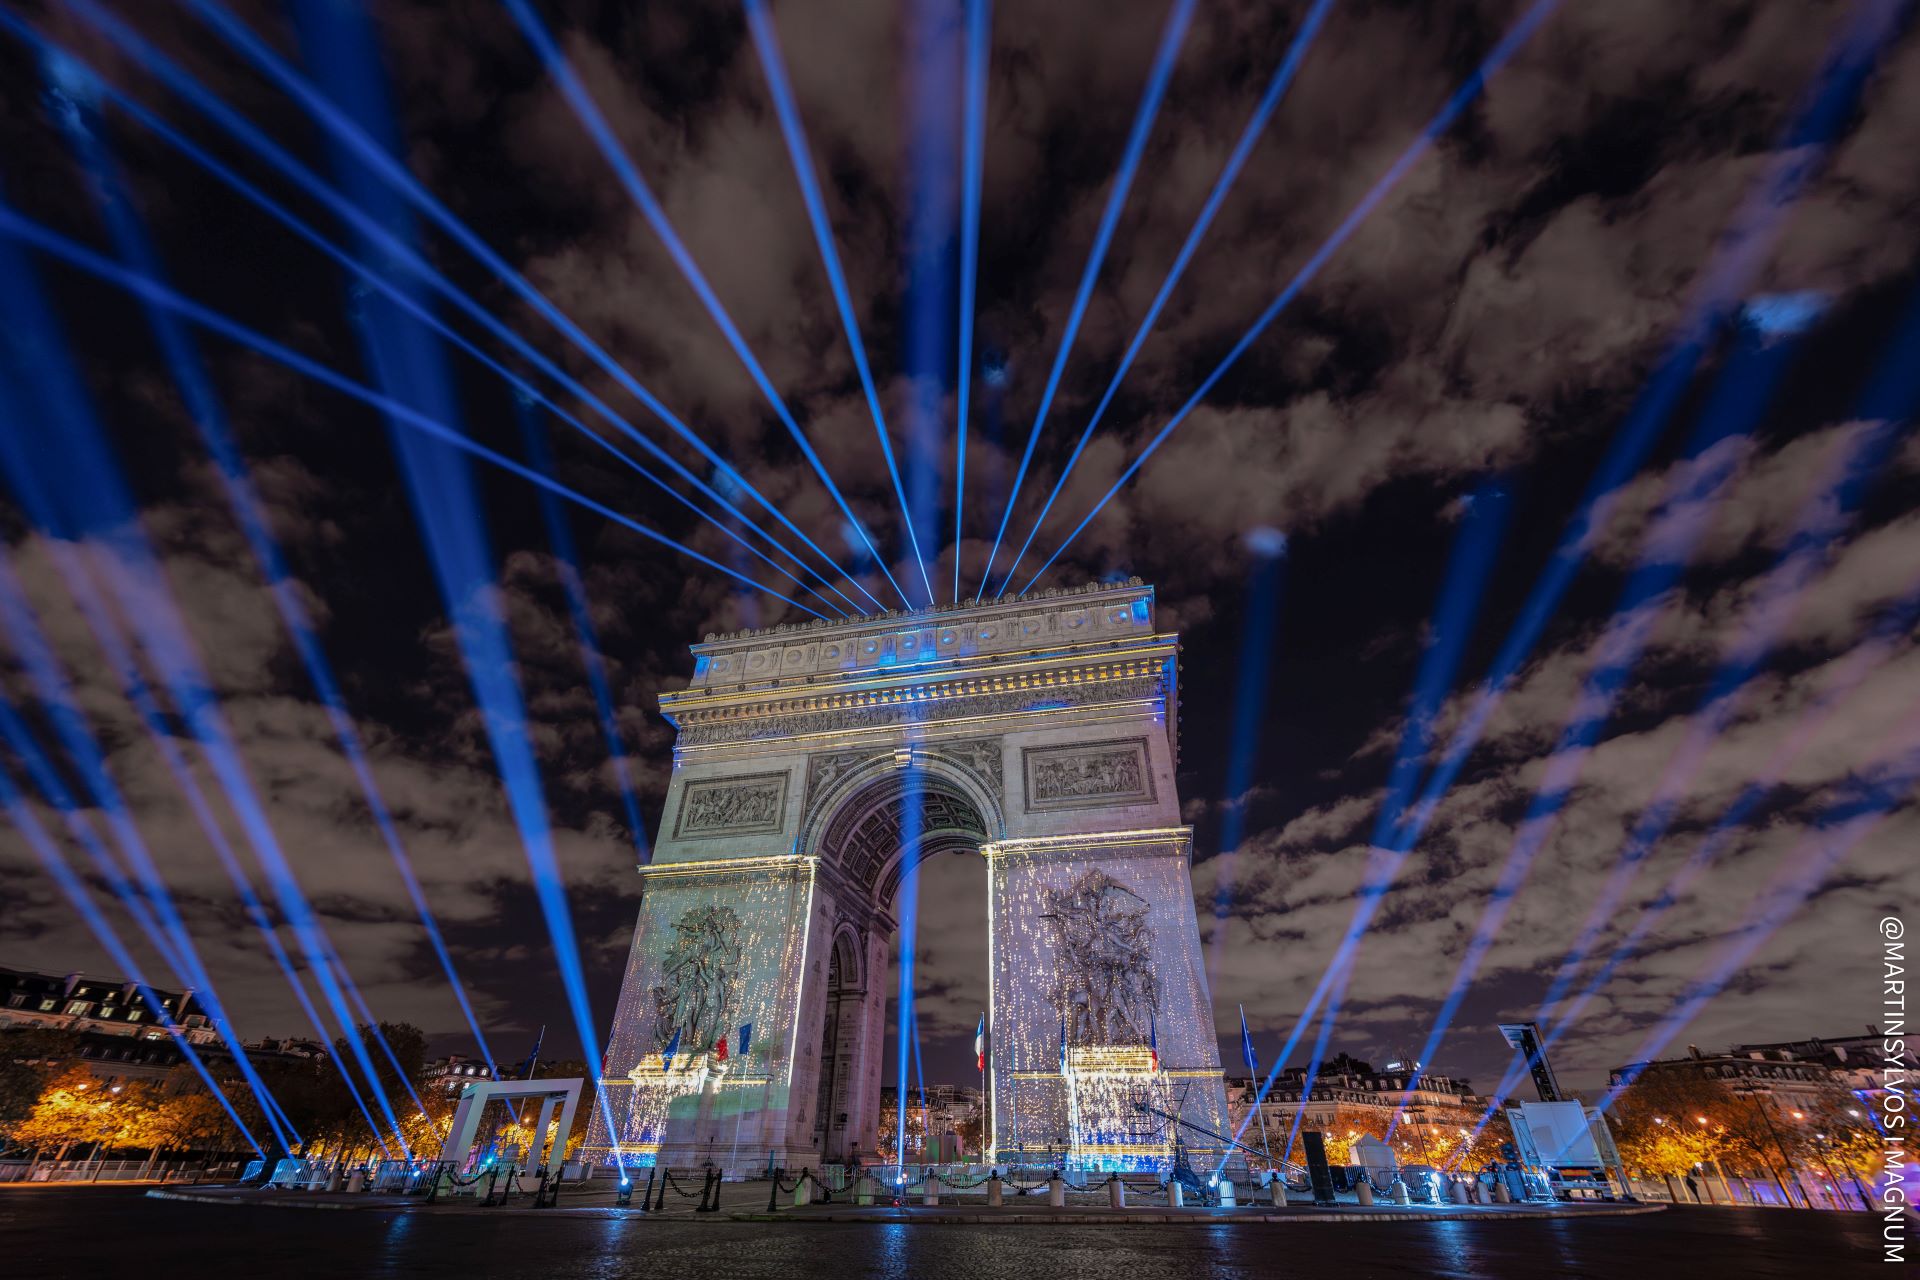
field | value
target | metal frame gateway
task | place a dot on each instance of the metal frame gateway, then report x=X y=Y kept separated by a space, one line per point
x=564 y=1094
x=1040 y=732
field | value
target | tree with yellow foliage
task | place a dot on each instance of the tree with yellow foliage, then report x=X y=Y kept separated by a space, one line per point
x=73 y=1108
x=177 y=1119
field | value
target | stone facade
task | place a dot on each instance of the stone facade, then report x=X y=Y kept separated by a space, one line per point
x=813 y=767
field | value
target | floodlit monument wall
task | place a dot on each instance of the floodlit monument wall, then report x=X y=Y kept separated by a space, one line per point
x=1038 y=732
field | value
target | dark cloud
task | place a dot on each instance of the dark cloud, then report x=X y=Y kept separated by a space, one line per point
x=1496 y=314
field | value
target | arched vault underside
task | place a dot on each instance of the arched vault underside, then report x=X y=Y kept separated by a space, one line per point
x=813 y=766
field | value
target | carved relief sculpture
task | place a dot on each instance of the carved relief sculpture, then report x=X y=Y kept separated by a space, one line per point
x=699 y=978
x=739 y=806
x=1079 y=776
x=1104 y=981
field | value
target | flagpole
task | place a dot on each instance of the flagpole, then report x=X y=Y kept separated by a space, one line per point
x=1253 y=1078
x=986 y=1045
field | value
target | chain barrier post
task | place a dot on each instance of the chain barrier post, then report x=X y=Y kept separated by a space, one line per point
x=709 y=1193
x=773 y=1191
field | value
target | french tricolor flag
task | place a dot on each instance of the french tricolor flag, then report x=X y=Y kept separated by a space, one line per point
x=980 y=1042
x=1153 y=1042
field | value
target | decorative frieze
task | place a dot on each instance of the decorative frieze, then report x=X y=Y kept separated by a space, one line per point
x=751 y=805
x=926 y=704
x=984 y=758
x=1088 y=775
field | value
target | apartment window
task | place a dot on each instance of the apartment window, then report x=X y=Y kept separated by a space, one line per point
x=16 y=1002
x=78 y=1006
x=133 y=1015
x=47 y=1006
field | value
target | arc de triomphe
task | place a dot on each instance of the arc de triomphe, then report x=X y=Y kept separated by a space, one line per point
x=1040 y=732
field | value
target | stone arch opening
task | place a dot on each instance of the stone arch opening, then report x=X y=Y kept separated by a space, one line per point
x=868 y=838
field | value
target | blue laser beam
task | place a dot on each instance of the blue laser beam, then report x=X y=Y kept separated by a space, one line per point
x=210 y=105
x=78 y=256
x=1172 y=37
x=1256 y=125
x=409 y=363
x=373 y=1023
x=1740 y=398
x=567 y=565
x=1886 y=408
x=974 y=145
x=1753 y=231
x=766 y=43
x=75 y=889
x=636 y=187
x=1839 y=85
x=392 y=250
x=75 y=470
x=1886 y=639
x=55 y=692
x=417 y=266
x=46 y=481
x=932 y=34
x=912 y=820
x=1469 y=566
x=1510 y=43
x=205 y=409
x=1846 y=823
x=144 y=895
x=1249 y=714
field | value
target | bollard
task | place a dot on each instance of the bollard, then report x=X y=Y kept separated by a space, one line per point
x=773 y=1191
x=1400 y=1195
x=1480 y=1195
x=1116 y=1192
x=1227 y=1200
x=1363 y=1192
x=930 y=1189
x=356 y=1182
x=996 y=1191
x=709 y=1193
x=1176 y=1196
x=1056 y=1192
x=863 y=1190
x=1500 y=1192
x=1459 y=1192
x=336 y=1180
x=802 y=1187
x=1277 y=1191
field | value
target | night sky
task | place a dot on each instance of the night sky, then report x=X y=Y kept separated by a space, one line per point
x=1487 y=331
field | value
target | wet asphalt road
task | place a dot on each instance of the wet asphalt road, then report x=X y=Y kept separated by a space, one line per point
x=106 y=1231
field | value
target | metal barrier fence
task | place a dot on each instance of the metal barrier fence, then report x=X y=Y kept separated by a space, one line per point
x=113 y=1171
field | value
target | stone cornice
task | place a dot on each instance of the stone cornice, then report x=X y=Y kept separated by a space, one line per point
x=1135 y=678
x=919 y=641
